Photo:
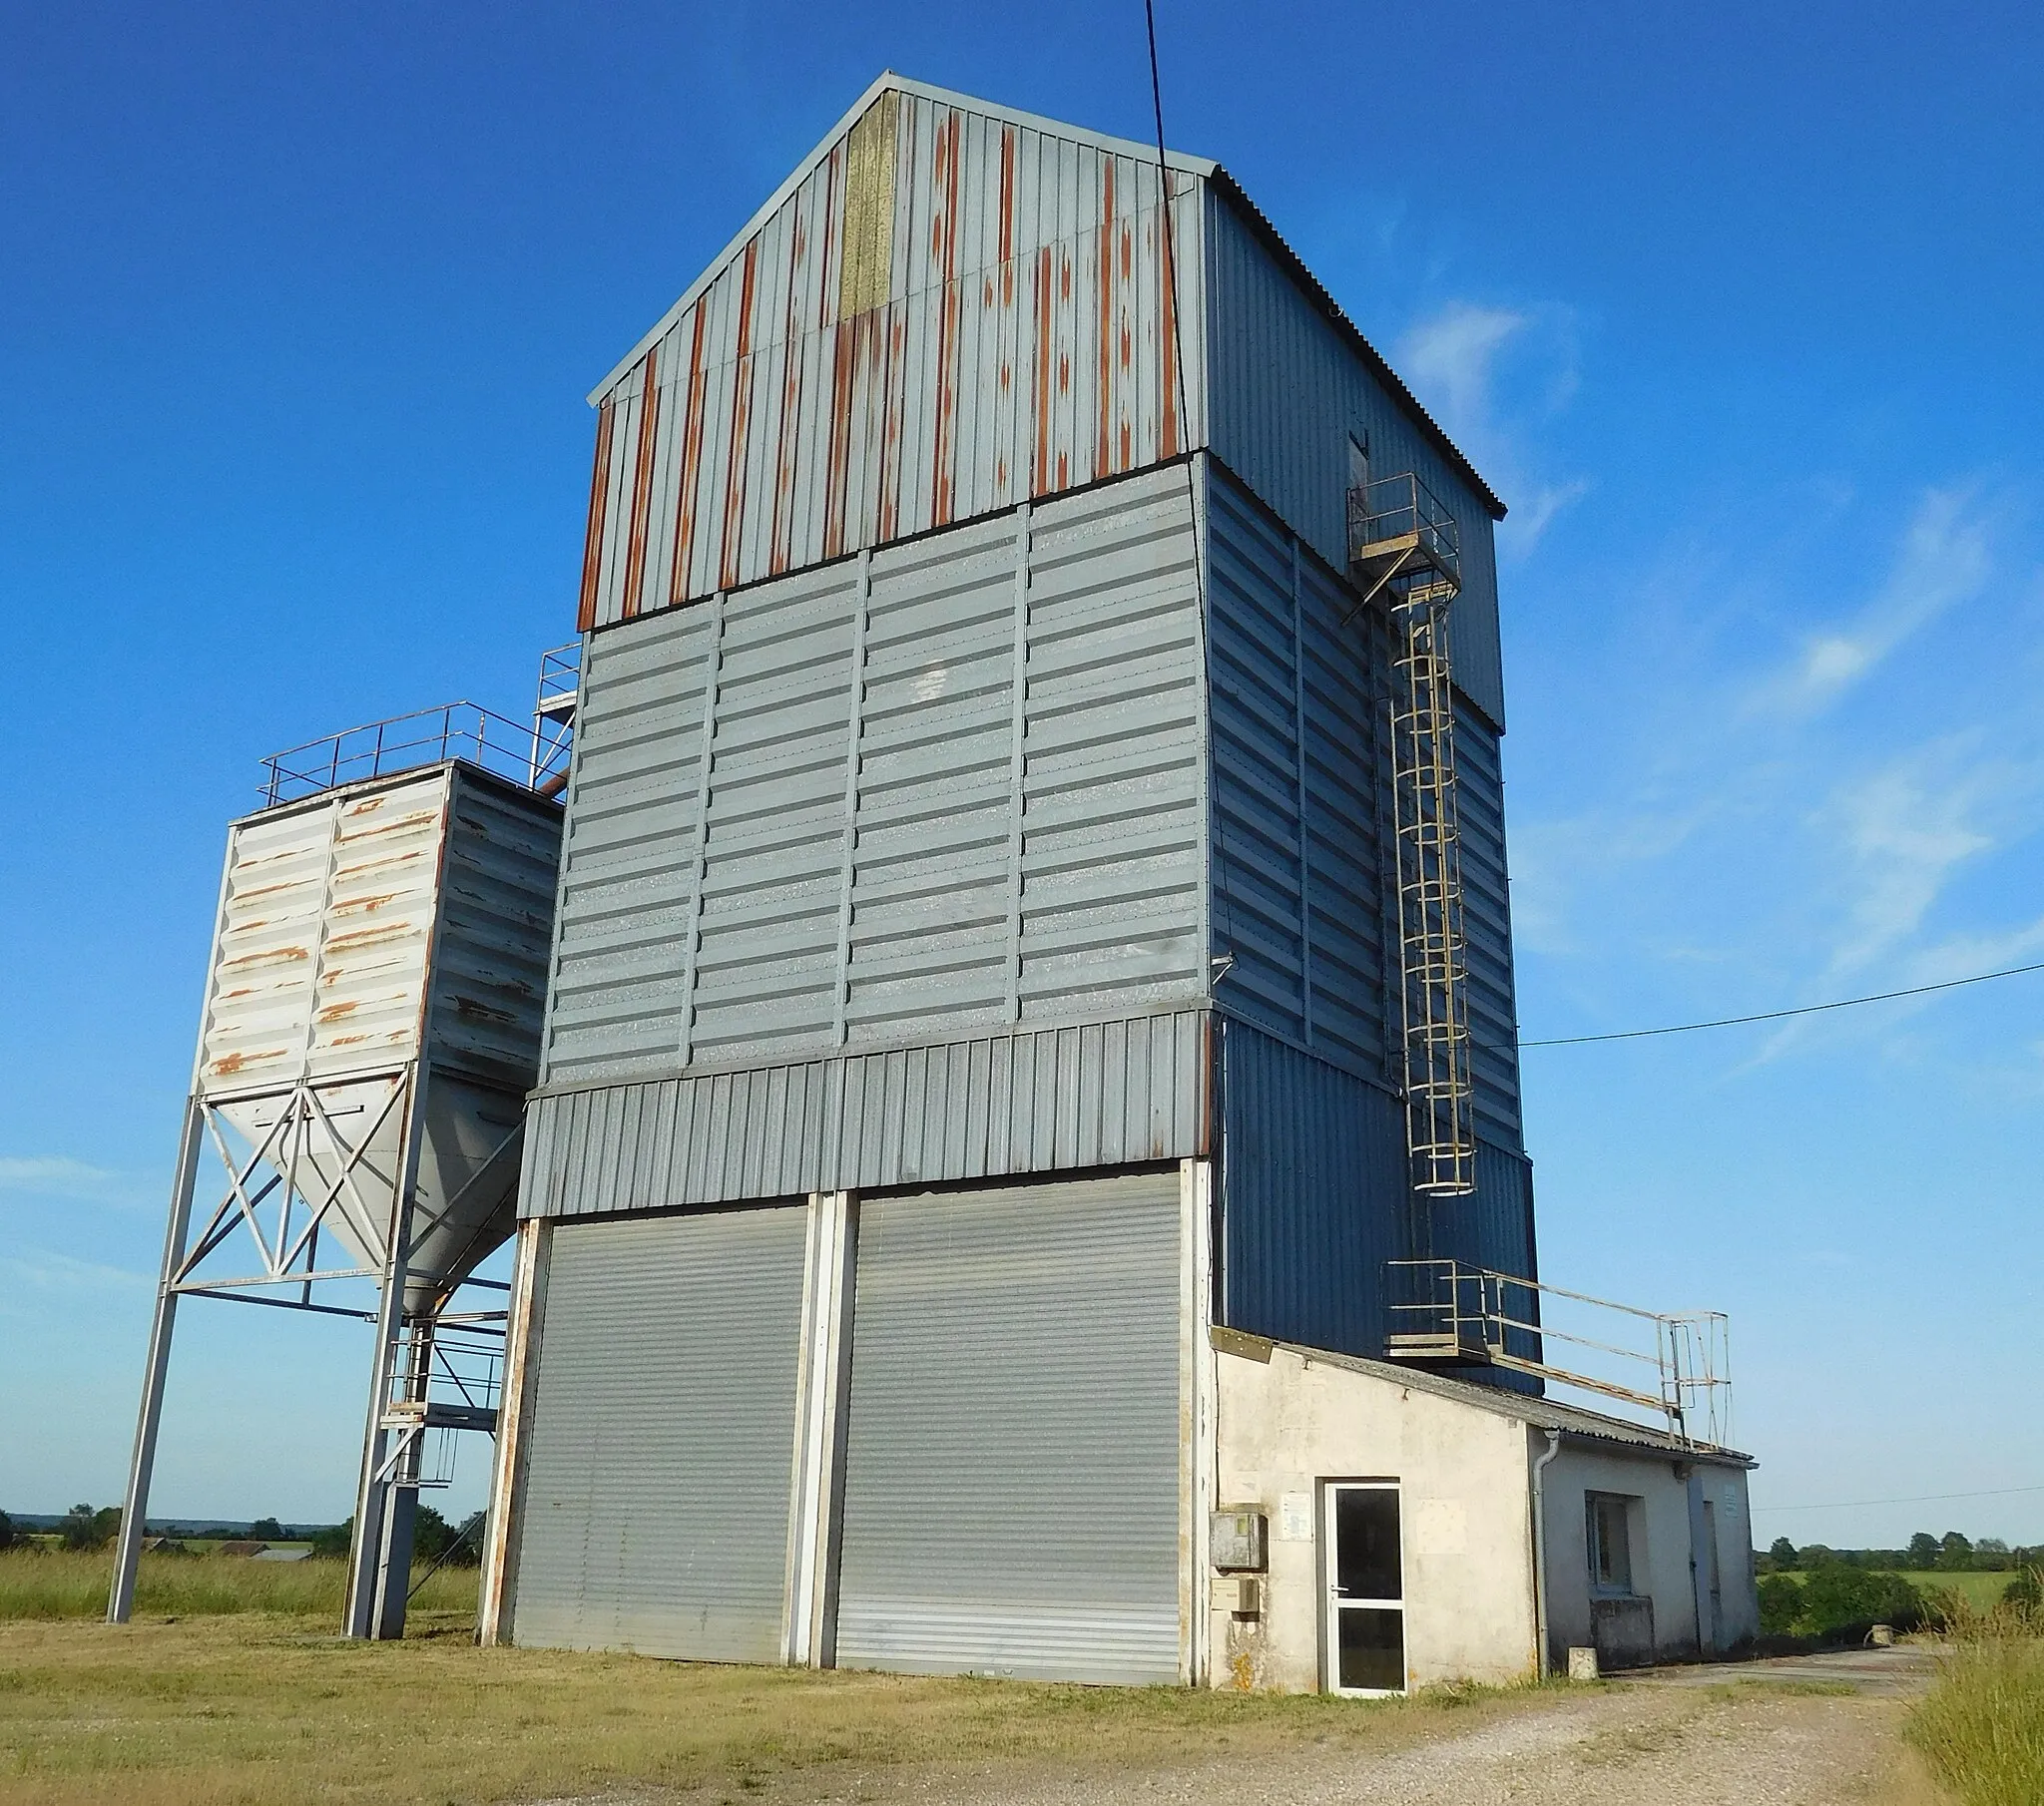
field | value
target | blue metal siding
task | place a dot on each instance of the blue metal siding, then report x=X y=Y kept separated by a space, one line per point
x=1313 y=1195
x=1315 y=1200
x=1284 y=394
x=1303 y=859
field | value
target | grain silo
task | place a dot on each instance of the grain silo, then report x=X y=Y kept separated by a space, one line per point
x=1026 y=1172
x=355 y=1121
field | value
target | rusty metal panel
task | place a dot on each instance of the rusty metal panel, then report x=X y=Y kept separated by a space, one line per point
x=951 y=307
x=1288 y=389
x=1109 y=1094
x=325 y=930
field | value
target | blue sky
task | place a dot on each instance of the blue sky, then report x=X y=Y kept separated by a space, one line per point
x=1736 y=309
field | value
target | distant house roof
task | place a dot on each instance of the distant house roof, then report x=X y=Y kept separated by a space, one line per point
x=241 y=1548
x=1539 y=1412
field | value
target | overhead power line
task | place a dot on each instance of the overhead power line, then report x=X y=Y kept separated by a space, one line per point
x=1841 y=1505
x=1732 y=1021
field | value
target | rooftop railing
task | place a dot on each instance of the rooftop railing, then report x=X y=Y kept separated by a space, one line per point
x=1672 y=1365
x=463 y=730
x=1399 y=516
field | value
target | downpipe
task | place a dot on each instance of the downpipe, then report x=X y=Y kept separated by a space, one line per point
x=1540 y=1553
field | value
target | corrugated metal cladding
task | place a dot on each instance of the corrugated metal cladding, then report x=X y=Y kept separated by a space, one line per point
x=1303 y=844
x=351 y=921
x=951 y=787
x=1285 y=394
x=660 y=1447
x=1109 y=1094
x=948 y=311
x=1314 y=1199
x=1013 y=1453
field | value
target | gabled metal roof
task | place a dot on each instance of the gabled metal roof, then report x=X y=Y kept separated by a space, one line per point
x=1202 y=168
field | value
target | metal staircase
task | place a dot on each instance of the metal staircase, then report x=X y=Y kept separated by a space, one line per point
x=1403 y=547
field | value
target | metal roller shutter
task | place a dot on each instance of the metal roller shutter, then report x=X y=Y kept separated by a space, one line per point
x=662 y=1438
x=1011 y=1491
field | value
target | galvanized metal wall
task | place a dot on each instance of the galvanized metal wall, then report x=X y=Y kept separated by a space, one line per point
x=658 y=1443
x=1287 y=389
x=948 y=311
x=1304 y=850
x=1315 y=1198
x=1056 y=1100
x=1013 y=1433
x=487 y=1002
x=951 y=787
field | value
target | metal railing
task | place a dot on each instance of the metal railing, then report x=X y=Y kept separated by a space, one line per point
x=1446 y=1311
x=1400 y=513
x=464 y=730
x=553 y=714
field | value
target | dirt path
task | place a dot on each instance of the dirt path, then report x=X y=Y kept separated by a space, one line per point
x=1815 y=1732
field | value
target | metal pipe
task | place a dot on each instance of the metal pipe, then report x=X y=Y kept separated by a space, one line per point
x=1540 y=1553
x=135 y=1507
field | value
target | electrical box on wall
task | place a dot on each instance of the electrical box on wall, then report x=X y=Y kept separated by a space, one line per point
x=1238 y=1540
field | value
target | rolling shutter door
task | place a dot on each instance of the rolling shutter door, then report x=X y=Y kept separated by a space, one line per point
x=1011 y=1489
x=660 y=1443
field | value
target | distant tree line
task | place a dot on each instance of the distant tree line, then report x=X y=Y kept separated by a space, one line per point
x=1948 y=1553
x=89 y=1527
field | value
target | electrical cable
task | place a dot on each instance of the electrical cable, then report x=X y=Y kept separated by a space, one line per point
x=1843 y=1505
x=1732 y=1021
x=1166 y=197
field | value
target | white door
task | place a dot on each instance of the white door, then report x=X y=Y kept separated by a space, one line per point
x=1366 y=1576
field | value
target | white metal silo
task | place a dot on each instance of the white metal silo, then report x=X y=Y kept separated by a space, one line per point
x=370 y=1027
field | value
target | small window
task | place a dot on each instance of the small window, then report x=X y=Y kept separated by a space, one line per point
x=1611 y=1553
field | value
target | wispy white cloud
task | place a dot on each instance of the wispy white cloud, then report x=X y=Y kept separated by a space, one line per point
x=1946 y=558
x=46 y=1271
x=60 y=1176
x=1452 y=359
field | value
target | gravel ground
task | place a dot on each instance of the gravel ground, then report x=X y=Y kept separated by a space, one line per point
x=1775 y=1734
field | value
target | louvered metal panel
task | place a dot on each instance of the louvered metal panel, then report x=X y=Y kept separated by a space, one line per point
x=950 y=307
x=659 y=1442
x=1013 y=1453
x=1286 y=391
x=952 y=787
x=1056 y=1100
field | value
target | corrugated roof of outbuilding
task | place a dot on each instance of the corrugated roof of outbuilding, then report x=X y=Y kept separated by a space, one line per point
x=1540 y=1413
x=1202 y=167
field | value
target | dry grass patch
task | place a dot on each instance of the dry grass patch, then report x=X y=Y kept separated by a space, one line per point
x=1981 y=1731
x=57 y=1583
x=230 y=1712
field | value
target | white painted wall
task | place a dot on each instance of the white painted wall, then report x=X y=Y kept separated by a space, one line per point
x=1288 y=1423
x=1666 y=1536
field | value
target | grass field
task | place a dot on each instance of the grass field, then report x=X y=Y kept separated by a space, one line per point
x=259 y=1709
x=1980 y=1591
x=59 y=1585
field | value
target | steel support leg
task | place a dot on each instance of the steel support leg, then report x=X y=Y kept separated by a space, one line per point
x=135 y=1507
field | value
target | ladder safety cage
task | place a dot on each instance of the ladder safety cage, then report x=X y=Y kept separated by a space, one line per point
x=1404 y=547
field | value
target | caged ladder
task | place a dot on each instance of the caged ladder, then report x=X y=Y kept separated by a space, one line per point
x=1403 y=548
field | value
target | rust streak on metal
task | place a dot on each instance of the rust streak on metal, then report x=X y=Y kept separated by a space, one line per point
x=642 y=484
x=891 y=385
x=837 y=474
x=1166 y=330
x=1104 y=252
x=730 y=563
x=786 y=431
x=691 y=465
x=1039 y=471
x=592 y=543
x=942 y=463
x=335 y=1012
